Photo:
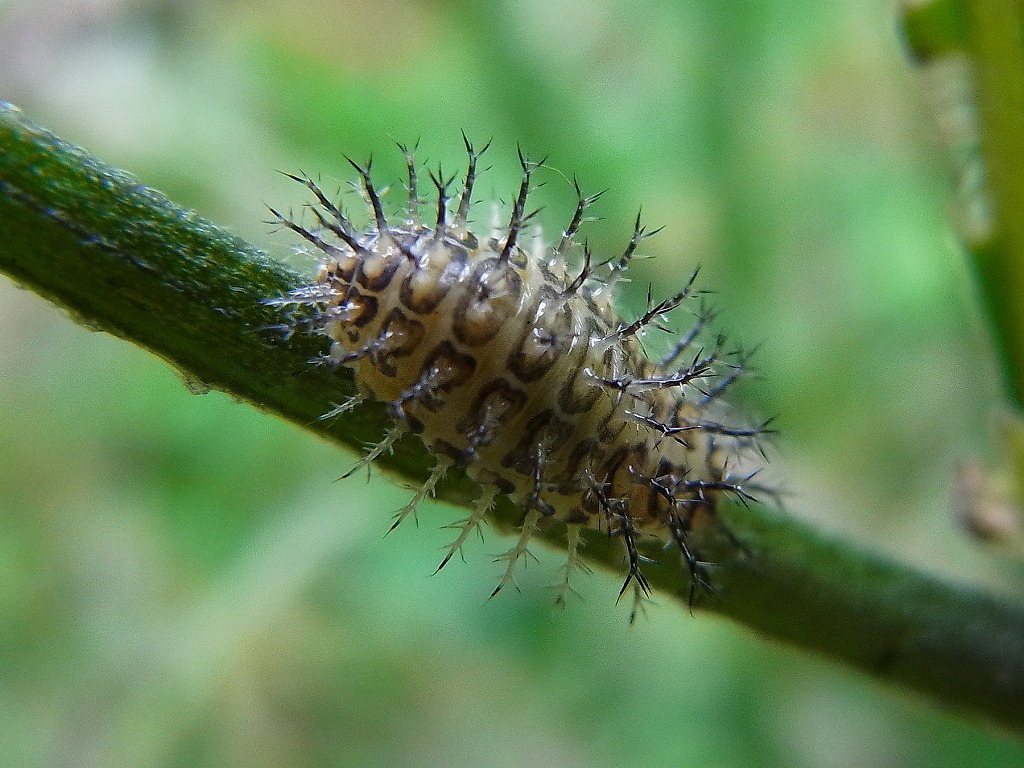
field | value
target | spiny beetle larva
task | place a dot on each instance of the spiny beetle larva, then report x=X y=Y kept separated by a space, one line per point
x=515 y=367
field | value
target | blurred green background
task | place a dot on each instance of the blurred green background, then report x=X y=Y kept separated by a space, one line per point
x=183 y=583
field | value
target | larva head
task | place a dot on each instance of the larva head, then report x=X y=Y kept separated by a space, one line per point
x=515 y=367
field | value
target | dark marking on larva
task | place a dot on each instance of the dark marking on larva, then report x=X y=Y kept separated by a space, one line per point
x=574 y=466
x=577 y=395
x=376 y=272
x=497 y=402
x=543 y=429
x=492 y=297
x=423 y=290
x=493 y=479
x=444 y=448
x=541 y=343
x=404 y=336
x=341 y=271
x=445 y=368
x=364 y=310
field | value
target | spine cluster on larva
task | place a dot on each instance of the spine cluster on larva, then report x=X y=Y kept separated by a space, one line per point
x=515 y=367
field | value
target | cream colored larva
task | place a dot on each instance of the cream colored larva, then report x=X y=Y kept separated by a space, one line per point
x=515 y=367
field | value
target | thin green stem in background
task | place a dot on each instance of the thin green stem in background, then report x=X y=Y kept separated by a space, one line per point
x=936 y=29
x=991 y=34
x=123 y=258
x=996 y=37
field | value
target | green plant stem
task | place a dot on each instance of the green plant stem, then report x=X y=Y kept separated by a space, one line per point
x=991 y=33
x=996 y=43
x=124 y=259
x=936 y=28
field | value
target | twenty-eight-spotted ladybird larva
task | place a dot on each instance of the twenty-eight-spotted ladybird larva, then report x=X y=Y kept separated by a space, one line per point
x=515 y=367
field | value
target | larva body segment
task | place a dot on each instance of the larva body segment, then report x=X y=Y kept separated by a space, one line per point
x=511 y=366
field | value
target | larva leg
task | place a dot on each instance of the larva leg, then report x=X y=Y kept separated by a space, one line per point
x=635 y=579
x=640 y=600
x=679 y=527
x=341 y=408
x=514 y=555
x=472 y=523
x=427 y=489
x=384 y=446
x=573 y=563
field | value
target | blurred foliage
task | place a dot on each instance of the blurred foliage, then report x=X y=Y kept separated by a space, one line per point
x=182 y=582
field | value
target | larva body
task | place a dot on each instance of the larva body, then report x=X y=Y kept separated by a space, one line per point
x=517 y=370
